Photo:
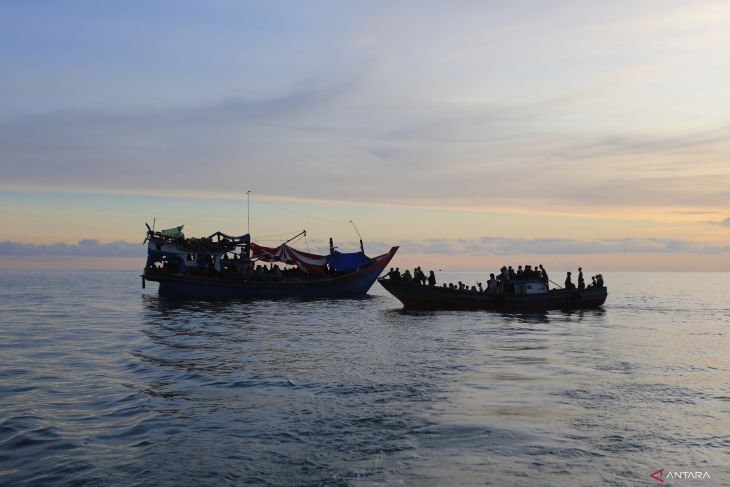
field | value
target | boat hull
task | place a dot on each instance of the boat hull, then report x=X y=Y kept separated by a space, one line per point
x=416 y=296
x=353 y=284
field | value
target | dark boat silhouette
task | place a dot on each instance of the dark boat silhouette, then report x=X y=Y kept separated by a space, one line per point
x=525 y=295
x=224 y=266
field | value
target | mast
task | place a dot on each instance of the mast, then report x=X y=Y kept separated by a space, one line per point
x=248 y=212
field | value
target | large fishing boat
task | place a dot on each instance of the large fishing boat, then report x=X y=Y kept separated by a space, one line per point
x=520 y=295
x=224 y=266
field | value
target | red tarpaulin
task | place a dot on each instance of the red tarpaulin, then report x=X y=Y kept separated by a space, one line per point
x=283 y=253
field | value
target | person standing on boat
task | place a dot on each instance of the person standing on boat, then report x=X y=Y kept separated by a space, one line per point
x=581 y=282
x=422 y=276
x=431 y=278
x=491 y=284
x=568 y=282
x=544 y=275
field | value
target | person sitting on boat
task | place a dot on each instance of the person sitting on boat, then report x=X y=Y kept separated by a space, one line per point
x=407 y=276
x=581 y=281
x=599 y=280
x=431 y=278
x=568 y=282
x=479 y=285
x=391 y=273
x=461 y=286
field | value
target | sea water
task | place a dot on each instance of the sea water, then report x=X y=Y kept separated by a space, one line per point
x=104 y=383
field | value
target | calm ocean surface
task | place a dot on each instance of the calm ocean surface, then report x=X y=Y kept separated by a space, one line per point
x=104 y=383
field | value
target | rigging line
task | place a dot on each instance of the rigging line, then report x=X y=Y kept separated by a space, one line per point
x=302 y=214
x=206 y=212
x=276 y=235
x=298 y=237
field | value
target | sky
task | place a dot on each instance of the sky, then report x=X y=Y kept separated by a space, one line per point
x=472 y=134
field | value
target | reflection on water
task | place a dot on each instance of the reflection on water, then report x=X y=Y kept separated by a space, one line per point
x=102 y=383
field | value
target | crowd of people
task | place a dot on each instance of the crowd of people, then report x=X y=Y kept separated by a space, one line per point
x=502 y=282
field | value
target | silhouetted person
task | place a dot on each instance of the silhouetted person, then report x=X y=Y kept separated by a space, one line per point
x=431 y=278
x=491 y=284
x=581 y=282
x=422 y=276
x=568 y=282
x=544 y=275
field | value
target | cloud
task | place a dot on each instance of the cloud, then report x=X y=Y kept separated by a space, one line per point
x=724 y=223
x=85 y=248
x=554 y=246
x=436 y=246
x=487 y=105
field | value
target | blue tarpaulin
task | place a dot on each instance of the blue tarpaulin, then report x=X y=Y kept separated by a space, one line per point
x=346 y=262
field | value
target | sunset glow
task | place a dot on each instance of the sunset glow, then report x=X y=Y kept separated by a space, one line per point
x=471 y=134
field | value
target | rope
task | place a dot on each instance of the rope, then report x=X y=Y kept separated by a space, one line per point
x=262 y=237
x=302 y=214
x=207 y=212
x=561 y=287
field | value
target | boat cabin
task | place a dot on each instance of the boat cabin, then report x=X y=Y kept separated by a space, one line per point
x=530 y=286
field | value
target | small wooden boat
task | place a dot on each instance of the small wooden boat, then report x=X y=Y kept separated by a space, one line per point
x=525 y=295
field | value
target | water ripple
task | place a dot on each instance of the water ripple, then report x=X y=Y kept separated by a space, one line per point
x=103 y=384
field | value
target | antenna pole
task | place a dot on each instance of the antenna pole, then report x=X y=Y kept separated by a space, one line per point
x=362 y=248
x=248 y=212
